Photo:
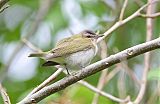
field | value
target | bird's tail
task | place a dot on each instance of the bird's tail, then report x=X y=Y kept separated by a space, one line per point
x=40 y=54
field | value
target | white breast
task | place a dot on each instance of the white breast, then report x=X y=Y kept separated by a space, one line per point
x=80 y=59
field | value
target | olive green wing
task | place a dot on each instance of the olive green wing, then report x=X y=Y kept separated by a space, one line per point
x=67 y=40
x=71 y=47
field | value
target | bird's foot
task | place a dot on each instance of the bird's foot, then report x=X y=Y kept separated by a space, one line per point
x=74 y=73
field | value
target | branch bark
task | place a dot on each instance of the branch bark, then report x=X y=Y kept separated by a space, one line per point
x=3 y=2
x=4 y=95
x=2 y=5
x=92 y=69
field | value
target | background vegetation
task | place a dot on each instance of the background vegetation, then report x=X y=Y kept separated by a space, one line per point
x=20 y=74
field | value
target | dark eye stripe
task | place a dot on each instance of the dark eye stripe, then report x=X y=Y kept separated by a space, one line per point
x=89 y=32
x=88 y=36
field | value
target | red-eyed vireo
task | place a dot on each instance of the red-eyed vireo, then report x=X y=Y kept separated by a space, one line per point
x=74 y=52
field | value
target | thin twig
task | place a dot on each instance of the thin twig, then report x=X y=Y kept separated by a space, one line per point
x=150 y=15
x=149 y=28
x=92 y=69
x=84 y=83
x=130 y=73
x=123 y=9
x=30 y=45
x=120 y=23
x=46 y=82
x=121 y=84
x=111 y=75
x=4 y=95
x=101 y=81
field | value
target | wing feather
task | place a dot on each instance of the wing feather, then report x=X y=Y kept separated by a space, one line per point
x=69 y=47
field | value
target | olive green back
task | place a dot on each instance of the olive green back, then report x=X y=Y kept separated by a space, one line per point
x=71 y=45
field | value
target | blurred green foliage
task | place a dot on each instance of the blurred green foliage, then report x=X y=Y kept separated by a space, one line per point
x=154 y=74
x=63 y=16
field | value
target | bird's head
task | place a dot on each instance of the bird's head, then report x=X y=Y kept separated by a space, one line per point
x=90 y=34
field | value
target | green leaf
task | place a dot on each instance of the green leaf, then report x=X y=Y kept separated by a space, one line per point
x=31 y=3
x=83 y=95
x=12 y=35
x=154 y=74
x=97 y=8
x=56 y=17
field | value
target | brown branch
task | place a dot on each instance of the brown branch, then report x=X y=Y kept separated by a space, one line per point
x=3 y=8
x=4 y=95
x=92 y=69
x=147 y=57
x=3 y=2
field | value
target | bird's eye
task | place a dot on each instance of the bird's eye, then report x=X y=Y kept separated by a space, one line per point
x=88 y=36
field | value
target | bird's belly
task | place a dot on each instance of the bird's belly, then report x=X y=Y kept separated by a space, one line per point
x=79 y=59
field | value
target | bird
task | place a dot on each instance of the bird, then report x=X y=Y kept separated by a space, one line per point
x=75 y=52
